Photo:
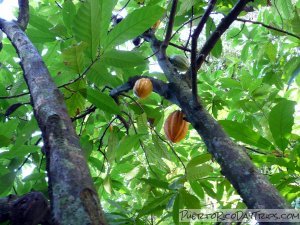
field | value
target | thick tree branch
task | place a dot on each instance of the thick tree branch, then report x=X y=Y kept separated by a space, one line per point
x=195 y=37
x=221 y=28
x=254 y=188
x=170 y=26
x=23 y=17
x=73 y=197
x=268 y=27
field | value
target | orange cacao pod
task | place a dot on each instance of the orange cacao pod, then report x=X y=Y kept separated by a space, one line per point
x=175 y=126
x=143 y=87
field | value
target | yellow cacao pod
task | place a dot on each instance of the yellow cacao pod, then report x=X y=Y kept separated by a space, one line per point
x=180 y=62
x=143 y=87
x=175 y=126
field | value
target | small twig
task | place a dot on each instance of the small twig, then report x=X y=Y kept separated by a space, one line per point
x=243 y=26
x=59 y=5
x=180 y=47
x=170 y=27
x=268 y=26
x=195 y=37
x=190 y=31
x=87 y=112
x=124 y=6
x=182 y=25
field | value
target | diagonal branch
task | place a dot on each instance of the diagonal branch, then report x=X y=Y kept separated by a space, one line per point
x=170 y=26
x=221 y=28
x=195 y=37
x=23 y=17
x=268 y=27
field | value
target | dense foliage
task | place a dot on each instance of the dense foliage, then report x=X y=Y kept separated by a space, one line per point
x=249 y=83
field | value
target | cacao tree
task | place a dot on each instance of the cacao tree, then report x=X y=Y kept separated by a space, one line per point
x=93 y=94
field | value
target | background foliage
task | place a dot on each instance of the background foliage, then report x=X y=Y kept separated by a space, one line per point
x=250 y=85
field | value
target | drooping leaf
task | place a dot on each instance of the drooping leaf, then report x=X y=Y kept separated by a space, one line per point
x=281 y=121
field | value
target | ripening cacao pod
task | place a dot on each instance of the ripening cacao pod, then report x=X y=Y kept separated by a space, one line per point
x=176 y=127
x=180 y=62
x=143 y=87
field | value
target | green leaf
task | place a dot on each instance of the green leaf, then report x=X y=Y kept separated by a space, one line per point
x=38 y=36
x=6 y=181
x=133 y=25
x=86 y=26
x=68 y=12
x=189 y=200
x=20 y=151
x=286 y=8
x=123 y=59
x=126 y=144
x=106 y=8
x=103 y=102
x=210 y=27
x=100 y=76
x=156 y=183
x=107 y=184
x=200 y=159
x=281 y=121
x=271 y=51
x=74 y=57
x=161 y=148
x=152 y=205
x=142 y=123
x=198 y=172
x=244 y=134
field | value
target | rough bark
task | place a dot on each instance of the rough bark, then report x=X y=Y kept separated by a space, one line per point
x=73 y=197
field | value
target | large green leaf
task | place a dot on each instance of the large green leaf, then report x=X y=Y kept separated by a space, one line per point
x=198 y=172
x=123 y=59
x=103 y=102
x=133 y=25
x=285 y=7
x=74 y=57
x=99 y=75
x=6 y=181
x=126 y=144
x=244 y=134
x=106 y=8
x=281 y=121
x=86 y=26
x=153 y=205
x=68 y=12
